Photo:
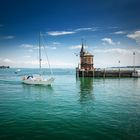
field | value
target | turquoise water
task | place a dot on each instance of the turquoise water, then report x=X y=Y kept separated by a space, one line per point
x=81 y=109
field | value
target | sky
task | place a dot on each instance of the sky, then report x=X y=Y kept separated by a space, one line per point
x=110 y=30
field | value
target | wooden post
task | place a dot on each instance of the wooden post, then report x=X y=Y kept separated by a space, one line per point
x=82 y=73
x=104 y=72
x=93 y=72
x=77 y=72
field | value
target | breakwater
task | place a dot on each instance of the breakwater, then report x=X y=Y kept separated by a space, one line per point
x=105 y=73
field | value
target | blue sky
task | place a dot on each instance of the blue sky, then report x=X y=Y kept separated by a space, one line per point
x=111 y=29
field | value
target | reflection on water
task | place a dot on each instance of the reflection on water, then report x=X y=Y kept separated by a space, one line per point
x=36 y=91
x=86 y=88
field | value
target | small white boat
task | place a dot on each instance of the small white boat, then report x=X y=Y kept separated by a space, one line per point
x=17 y=71
x=38 y=79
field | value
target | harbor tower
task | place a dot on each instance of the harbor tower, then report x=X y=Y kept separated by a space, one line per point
x=86 y=59
x=86 y=67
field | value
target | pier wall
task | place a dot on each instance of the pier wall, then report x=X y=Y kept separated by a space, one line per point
x=107 y=73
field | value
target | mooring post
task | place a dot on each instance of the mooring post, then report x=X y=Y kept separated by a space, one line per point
x=104 y=72
x=76 y=72
x=119 y=73
x=93 y=73
x=82 y=72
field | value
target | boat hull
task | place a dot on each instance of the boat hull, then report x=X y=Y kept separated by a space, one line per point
x=38 y=82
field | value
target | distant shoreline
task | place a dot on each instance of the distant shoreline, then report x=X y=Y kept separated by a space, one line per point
x=7 y=67
x=4 y=67
x=126 y=67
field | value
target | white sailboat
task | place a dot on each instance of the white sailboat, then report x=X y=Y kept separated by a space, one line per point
x=38 y=79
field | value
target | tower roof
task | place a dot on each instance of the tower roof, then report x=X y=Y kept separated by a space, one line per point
x=82 y=50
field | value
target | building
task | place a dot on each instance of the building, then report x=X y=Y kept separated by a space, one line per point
x=86 y=59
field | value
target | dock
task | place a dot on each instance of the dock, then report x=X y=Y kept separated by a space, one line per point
x=106 y=73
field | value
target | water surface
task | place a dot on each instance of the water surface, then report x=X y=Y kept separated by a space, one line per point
x=82 y=109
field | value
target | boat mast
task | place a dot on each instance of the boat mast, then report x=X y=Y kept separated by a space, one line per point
x=40 y=52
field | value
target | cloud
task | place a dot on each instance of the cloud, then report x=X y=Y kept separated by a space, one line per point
x=61 y=64
x=135 y=36
x=58 y=33
x=26 y=46
x=51 y=48
x=27 y=56
x=119 y=32
x=56 y=43
x=77 y=47
x=7 y=37
x=108 y=41
x=83 y=29
x=31 y=47
x=117 y=50
x=7 y=61
x=114 y=27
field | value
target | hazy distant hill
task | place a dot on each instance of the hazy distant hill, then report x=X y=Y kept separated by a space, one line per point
x=4 y=67
x=126 y=67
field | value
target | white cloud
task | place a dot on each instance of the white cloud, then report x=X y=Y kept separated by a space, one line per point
x=27 y=56
x=30 y=50
x=86 y=29
x=108 y=41
x=117 y=50
x=31 y=62
x=51 y=48
x=83 y=29
x=114 y=27
x=77 y=47
x=58 y=33
x=56 y=43
x=54 y=64
x=61 y=64
x=119 y=32
x=7 y=37
x=7 y=60
x=135 y=36
x=26 y=46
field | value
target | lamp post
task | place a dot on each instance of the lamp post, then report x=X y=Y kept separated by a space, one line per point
x=119 y=64
x=119 y=68
x=134 y=61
